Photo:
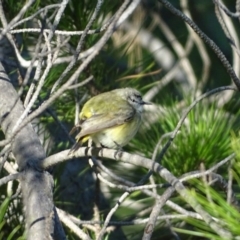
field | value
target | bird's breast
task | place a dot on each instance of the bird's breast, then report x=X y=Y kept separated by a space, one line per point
x=118 y=136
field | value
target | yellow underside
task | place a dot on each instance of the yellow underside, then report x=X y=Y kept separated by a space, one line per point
x=117 y=136
x=85 y=139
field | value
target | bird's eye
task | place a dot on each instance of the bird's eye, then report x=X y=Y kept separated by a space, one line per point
x=135 y=98
x=132 y=99
x=138 y=96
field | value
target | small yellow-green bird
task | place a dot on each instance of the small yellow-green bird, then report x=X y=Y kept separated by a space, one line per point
x=110 y=119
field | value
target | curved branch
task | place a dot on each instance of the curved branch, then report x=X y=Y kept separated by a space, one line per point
x=149 y=164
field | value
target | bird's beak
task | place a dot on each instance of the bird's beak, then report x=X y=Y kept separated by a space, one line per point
x=146 y=103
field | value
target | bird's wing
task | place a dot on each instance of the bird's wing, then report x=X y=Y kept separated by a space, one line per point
x=104 y=104
x=99 y=122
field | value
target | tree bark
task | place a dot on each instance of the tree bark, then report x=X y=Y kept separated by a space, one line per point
x=37 y=185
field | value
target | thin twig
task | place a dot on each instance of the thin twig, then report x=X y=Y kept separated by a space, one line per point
x=206 y=39
x=8 y=178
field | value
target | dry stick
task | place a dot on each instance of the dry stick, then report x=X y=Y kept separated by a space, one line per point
x=96 y=215
x=28 y=73
x=181 y=53
x=226 y=10
x=160 y=84
x=117 y=205
x=62 y=157
x=196 y=174
x=68 y=33
x=112 y=211
x=86 y=53
x=44 y=9
x=227 y=28
x=62 y=32
x=200 y=46
x=130 y=187
x=184 y=213
x=8 y=178
x=231 y=34
x=88 y=223
x=84 y=82
x=229 y=186
x=154 y=155
x=78 y=50
x=147 y=163
x=7 y=26
x=72 y=226
x=3 y=159
x=37 y=72
x=80 y=44
x=238 y=7
x=49 y=63
x=16 y=19
x=17 y=53
x=206 y=39
x=36 y=93
x=123 y=197
x=207 y=94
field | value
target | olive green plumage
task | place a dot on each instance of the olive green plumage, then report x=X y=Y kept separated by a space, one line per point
x=111 y=118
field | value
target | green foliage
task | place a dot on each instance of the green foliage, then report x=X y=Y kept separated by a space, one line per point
x=3 y=208
x=204 y=138
x=214 y=202
x=13 y=233
x=10 y=226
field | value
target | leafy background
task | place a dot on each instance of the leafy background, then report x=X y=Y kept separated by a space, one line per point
x=208 y=135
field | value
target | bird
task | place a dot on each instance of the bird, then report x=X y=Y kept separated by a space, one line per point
x=111 y=119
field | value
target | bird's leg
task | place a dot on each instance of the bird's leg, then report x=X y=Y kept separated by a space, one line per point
x=118 y=151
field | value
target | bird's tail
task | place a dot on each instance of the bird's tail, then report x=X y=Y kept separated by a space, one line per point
x=78 y=144
x=74 y=148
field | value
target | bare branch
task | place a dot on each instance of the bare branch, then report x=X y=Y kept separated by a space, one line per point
x=70 y=224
